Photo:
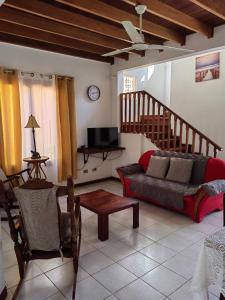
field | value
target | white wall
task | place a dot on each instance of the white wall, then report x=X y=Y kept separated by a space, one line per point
x=153 y=79
x=200 y=103
x=86 y=72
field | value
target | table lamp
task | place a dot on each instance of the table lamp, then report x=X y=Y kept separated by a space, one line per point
x=32 y=123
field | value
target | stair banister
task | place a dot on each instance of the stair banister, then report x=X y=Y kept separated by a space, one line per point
x=147 y=118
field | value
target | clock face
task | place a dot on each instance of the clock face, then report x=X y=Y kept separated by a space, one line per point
x=93 y=93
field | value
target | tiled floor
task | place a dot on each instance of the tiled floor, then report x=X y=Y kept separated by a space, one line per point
x=154 y=262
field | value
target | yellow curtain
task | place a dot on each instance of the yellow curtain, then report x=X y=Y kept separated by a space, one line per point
x=10 y=123
x=66 y=127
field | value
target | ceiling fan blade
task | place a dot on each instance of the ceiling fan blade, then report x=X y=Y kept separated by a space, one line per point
x=112 y=53
x=163 y=47
x=132 y=32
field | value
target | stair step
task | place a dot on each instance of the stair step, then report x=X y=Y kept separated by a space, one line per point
x=161 y=135
x=168 y=143
x=146 y=128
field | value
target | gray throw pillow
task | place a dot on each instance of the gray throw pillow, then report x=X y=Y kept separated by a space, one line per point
x=180 y=170
x=158 y=166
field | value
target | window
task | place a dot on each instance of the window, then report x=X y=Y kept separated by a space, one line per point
x=129 y=84
x=38 y=97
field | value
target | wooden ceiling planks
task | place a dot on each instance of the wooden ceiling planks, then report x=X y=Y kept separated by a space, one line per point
x=89 y=28
x=174 y=15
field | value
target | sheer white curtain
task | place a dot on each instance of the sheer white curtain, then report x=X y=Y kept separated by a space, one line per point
x=38 y=97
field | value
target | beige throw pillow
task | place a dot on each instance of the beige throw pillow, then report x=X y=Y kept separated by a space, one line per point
x=158 y=166
x=180 y=170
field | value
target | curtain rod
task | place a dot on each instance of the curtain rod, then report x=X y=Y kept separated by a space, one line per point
x=5 y=70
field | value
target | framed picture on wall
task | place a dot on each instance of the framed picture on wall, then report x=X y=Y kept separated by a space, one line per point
x=207 y=67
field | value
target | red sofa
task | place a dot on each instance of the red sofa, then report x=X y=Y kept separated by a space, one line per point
x=195 y=206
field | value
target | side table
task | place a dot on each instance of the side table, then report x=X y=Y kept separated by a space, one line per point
x=37 y=169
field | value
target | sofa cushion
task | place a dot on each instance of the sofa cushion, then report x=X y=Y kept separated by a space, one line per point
x=199 y=165
x=180 y=170
x=163 y=192
x=158 y=166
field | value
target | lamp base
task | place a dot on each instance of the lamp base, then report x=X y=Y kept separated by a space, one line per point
x=35 y=154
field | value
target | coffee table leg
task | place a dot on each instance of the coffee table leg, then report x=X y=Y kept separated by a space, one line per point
x=136 y=215
x=103 y=227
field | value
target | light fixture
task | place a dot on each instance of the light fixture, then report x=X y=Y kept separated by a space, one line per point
x=32 y=123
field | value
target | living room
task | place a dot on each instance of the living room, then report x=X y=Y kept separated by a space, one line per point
x=161 y=256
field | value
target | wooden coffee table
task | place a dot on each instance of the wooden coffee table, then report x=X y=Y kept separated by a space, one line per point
x=103 y=204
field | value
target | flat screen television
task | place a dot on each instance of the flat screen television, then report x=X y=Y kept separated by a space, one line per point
x=102 y=137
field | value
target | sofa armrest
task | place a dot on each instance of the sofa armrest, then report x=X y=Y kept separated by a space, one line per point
x=130 y=169
x=214 y=187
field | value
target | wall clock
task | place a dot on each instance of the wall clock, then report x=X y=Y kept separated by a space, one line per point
x=93 y=92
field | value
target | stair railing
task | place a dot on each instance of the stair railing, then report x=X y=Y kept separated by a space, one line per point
x=141 y=113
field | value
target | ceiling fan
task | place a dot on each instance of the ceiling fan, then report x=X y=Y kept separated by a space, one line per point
x=138 y=37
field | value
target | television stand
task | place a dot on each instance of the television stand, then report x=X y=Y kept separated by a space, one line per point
x=104 y=150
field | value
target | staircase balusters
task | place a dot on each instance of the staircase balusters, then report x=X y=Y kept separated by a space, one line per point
x=169 y=129
x=175 y=133
x=148 y=114
x=200 y=144
x=164 y=127
x=142 y=113
x=153 y=120
x=139 y=104
x=181 y=136
x=193 y=141
x=158 y=123
x=129 y=112
x=207 y=148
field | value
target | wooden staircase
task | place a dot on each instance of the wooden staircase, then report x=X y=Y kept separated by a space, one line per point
x=142 y=113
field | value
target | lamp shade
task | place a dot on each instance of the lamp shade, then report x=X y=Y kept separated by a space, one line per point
x=32 y=123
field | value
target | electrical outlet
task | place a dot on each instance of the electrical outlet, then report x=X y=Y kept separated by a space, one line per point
x=85 y=171
x=94 y=169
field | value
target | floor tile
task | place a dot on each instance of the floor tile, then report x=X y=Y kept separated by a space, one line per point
x=138 y=264
x=114 y=277
x=90 y=289
x=63 y=276
x=57 y=296
x=12 y=274
x=190 y=234
x=139 y=290
x=181 y=265
x=94 y=262
x=157 y=231
x=38 y=288
x=117 y=250
x=158 y=252
x=163 y=280
x=111 y=298
x=9 y=258
x=48 y=264
x=175 y=242
x=192 y=252
x=184 y=293
x=203 y=227
x=136 y=241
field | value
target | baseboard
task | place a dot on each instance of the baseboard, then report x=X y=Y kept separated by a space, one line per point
x=3 y=294
x=96 y=181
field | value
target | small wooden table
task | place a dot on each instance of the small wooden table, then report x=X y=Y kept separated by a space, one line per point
x=37 y=169
x=104 y=203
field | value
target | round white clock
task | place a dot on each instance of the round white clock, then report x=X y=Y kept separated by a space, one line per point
x=93 y=92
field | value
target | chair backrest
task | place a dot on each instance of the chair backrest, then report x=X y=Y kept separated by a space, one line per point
x=39 y=211
x=2 y=175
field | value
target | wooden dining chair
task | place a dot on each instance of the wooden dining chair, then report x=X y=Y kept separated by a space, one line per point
x=11 y=181
x=70 y=247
